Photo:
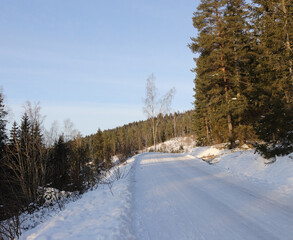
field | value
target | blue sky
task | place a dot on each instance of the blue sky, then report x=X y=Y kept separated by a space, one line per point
x=88 y=60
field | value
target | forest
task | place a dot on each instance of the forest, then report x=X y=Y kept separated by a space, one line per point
x=244 y=76
x=243 y=94
x=33 y=159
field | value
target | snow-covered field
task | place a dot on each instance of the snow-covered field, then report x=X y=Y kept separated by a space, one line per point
x=205 y=193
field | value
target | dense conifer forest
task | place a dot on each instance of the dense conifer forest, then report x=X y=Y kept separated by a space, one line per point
x=244 y=76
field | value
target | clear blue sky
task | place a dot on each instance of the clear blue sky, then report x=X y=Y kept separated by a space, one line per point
x=88 y=60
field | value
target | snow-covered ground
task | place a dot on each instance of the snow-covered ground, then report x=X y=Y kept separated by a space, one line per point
x=179 y=197
x=245 y=162
x=178 y=144
x=205 y=193
x=103 y=213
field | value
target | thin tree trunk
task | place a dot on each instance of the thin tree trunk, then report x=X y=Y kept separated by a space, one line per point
x=209 y=123
x=174 y=122
x=207 y=127
x=288 y=47
x=154 y=132
x=229 y=117
x=287 y=40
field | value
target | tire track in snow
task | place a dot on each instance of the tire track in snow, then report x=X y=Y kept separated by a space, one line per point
x=179 y=197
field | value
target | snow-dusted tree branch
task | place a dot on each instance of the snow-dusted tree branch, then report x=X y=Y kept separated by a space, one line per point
x=155 y=107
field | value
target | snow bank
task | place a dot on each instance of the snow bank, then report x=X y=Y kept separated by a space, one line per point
x=179 y=144
x=242 y=161
x=245 y=162
x=103 y=213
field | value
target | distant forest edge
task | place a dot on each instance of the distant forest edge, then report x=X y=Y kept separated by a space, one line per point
x=129 y=139
x=244 y=73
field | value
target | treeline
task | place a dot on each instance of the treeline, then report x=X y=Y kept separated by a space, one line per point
x=129 y=139
x=244 y=75
x=33 y=159
x=28 y=165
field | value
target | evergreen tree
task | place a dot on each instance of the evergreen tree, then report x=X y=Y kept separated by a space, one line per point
x=273 y=83
x=98 y=148
x=14 y=135
x=239 y=55
x=3 y=168
x=212 y=86
x=3 y=121
x=25 y=133
x=107 y=150
x=222 y=83
x=59 y=165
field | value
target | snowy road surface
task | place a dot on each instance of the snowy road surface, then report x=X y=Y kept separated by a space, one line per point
x=178 y=197
x=175 y=197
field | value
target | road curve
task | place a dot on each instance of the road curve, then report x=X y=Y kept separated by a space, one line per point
x=177 y=196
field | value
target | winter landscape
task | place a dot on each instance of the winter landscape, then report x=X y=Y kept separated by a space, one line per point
x=234 y=195
x=146 y=120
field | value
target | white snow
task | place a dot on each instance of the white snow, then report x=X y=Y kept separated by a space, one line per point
x=247 y=163
x=205 y=193
x=178 y=144
x=99 y=214
x=181 y=197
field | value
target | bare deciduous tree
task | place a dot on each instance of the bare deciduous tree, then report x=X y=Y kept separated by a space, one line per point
x=69 y=131
x=52 y=135
x=154 y=108
x=34 y=113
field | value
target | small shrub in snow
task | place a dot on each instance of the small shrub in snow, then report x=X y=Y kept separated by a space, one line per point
x=52 y=200
x=53 y=196
x=117 y=172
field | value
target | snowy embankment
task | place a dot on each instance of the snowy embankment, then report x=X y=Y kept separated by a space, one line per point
x=245 y=162
x=205 y=193
x=178 y=144
x=103 y=213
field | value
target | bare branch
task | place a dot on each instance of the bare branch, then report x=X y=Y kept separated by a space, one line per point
x=154 y=107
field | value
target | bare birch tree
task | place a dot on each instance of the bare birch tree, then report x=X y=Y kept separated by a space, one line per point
x=154 y=108
x=52 y=135
x=69 y=131
x=34 y=113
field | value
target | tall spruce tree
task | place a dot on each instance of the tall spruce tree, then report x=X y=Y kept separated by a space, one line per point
x=59 y=165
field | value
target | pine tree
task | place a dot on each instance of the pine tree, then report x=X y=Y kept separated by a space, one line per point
x=223 y=82
x=238 y=54
x=211 y=83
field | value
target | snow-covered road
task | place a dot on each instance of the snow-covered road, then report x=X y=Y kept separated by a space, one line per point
x=178 y=197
